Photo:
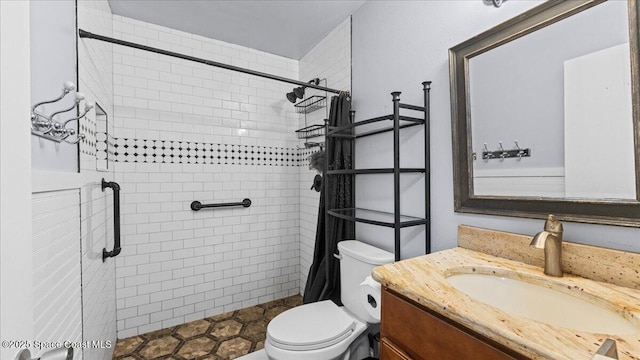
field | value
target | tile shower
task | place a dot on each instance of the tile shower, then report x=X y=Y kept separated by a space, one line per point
x=182 y=132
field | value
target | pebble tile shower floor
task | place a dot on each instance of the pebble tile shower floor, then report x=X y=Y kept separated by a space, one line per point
x=221 y=337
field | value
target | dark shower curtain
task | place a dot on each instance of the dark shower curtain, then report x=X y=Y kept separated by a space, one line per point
x=338 y=187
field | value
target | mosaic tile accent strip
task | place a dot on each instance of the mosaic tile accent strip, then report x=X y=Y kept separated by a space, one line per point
x=88 y=128
x=105 y=149
x=189 y=152
x=222 y=337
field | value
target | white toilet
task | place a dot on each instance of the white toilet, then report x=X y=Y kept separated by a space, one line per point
x=325 y=331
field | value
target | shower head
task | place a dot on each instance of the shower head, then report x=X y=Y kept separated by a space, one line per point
x=292 y=97
x=298 y=93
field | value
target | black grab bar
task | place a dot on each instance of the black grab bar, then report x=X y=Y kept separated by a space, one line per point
x=197 y=205
x=116 y=220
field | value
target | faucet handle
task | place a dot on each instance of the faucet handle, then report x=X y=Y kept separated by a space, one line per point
x=607 y=351
x=552 y=224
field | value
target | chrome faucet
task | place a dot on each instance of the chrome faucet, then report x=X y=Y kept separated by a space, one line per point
x=551 y=241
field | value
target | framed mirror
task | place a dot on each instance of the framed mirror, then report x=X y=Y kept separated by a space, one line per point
x=546 y=114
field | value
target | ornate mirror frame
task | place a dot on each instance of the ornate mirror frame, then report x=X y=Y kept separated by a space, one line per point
x=612 y=212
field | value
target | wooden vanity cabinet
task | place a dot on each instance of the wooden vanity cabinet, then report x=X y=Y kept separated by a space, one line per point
x=411 y=332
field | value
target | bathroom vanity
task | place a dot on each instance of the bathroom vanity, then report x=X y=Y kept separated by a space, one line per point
x=427 y=315
x=489 y=297
x=411 y=331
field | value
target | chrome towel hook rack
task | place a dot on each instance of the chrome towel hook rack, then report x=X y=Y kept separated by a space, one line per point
x=502 y=153
x=45 y=126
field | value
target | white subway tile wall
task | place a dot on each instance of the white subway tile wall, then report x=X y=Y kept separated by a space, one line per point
x=56 y=267
x=331 y=60
x=95 y=74
x=178 y=265
x=98 y=277
x=164 y=98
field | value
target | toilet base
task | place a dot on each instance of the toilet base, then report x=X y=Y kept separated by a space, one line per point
x=357 y=349
x=360 y=349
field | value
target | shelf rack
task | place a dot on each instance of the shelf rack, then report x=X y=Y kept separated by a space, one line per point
x=343 y=130
x=374 y=217
x=374 y=171
x=311 y=104
x=394 y=219
x=307 y=106
x=310 y=132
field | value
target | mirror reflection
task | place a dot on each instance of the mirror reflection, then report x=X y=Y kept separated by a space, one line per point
x=551 y=112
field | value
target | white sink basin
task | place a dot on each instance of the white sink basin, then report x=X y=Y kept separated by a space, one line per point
x=541 y=304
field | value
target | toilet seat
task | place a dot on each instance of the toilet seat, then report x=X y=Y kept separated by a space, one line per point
x=310 y=327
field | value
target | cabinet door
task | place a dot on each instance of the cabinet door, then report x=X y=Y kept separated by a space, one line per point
x=424 y=335
x=389 y=351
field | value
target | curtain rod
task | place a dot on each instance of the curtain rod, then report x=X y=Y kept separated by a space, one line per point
x=86 y=34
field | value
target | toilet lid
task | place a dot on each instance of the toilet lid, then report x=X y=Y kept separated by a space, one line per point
x=310 y=326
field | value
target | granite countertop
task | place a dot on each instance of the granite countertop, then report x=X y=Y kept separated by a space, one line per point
x=422 y=279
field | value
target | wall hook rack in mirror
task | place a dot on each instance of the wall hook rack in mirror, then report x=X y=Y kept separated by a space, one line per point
x=45 y=126
x=503 y=153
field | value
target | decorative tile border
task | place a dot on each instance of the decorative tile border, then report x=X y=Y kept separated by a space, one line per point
x=88 y=144
x=105 y=149
x=190 y=152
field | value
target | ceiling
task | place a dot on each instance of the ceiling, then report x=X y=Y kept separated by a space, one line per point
x=288 y=28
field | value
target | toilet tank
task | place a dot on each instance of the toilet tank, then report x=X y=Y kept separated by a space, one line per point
x=357 y=259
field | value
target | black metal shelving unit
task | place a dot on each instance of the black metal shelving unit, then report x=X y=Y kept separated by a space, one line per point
x=394 y=220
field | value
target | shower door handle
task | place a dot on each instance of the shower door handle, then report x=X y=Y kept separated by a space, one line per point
x=116 y=220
